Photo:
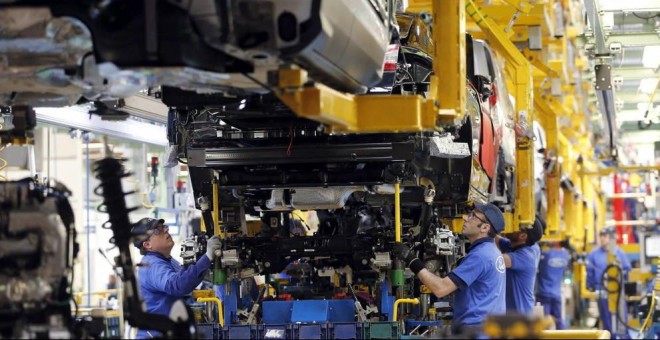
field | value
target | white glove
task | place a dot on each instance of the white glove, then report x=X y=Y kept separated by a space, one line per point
x=212 y=245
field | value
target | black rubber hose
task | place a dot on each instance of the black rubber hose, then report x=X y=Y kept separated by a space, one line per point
x=425 y=221
x=619 y=281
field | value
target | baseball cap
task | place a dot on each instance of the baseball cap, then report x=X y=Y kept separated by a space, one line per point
x=142 y=226
x=493 y=215
x=535 y=233
x=606 y=230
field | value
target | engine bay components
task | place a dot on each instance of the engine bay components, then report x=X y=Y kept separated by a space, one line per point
x=37 y=249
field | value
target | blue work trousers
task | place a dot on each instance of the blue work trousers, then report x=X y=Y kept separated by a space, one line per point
x=606 y=318
x=552 y=307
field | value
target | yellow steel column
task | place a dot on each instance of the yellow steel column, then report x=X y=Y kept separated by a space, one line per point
x=449 y=60
x=569 y=170
x=216 y=209
x=397 y=213
x=601 y=210
x=549 y=122
x=588 y=217
x=519 y=70
x=578 y=228
x=569 y=213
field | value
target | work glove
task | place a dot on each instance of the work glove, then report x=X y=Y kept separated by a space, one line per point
x=408 y=257
x=212 y=245
x=403 y=253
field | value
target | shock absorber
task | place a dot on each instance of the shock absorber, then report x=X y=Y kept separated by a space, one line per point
x=110 y=171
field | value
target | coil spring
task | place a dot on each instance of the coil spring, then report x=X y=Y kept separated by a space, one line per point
x=110 y=171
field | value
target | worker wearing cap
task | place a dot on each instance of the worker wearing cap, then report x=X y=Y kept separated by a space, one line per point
x=162 y=279
x=479 y=279
x=521 y=256
x=597 y=263
x=548 y=281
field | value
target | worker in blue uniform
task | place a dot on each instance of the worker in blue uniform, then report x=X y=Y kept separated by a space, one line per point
x=521 y=255
x=162 y=279
x=596 y=265
x=548 y=281
x=479 y=279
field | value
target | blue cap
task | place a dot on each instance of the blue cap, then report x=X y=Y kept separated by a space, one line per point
x=493 y=215
x=536 y=232
x=142 y=226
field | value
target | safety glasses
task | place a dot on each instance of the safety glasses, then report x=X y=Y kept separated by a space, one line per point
x=160 y=230
x=473 y=214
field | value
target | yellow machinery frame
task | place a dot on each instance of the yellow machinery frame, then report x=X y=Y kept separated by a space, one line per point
x=348 y=113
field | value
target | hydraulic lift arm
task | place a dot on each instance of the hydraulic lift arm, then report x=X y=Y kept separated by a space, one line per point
x=519 y=70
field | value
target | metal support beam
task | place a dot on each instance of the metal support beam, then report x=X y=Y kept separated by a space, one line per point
x=521 y=5
x=629 y=73
x=609 y=171
x=611 y=223
x=627 y=40
x=630 y=195
x=533 y=57
x=449 y=60
x=548 y=120
x=603 y=85
x=593 y=16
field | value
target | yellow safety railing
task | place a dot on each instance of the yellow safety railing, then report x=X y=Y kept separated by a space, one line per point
x=395 y=313
x=575 y=334
x=221 y=318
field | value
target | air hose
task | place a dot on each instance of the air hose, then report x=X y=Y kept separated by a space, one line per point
x=618 y=279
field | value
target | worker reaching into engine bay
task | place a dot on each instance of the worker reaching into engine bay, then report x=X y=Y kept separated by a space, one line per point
x=479 y=279
x=162 y=278
x=521 y=255
x=597 y=264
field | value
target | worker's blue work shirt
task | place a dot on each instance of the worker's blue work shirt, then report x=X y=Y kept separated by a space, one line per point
x=521 y=276
x=551 y=272
x=597 y=262
x=480 y=280
x=163 y=281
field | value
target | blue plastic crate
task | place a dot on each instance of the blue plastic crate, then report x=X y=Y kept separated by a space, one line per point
x=310 y=331
x=208 y=331
x=381 y=330
x=272 y=331
x=344 y=330
x=241 y=332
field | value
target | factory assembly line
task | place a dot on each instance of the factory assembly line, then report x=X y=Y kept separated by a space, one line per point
x=390 y=123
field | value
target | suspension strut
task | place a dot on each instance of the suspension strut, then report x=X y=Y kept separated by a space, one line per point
x=110 y=171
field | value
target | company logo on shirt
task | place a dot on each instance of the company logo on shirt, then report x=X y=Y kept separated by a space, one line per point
x=499 y=264
x=557 y=263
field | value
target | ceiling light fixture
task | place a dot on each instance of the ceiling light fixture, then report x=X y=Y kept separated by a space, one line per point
x=647 y=85
x=651 y=57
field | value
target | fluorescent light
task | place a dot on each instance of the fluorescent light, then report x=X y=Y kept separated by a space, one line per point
x=647 y=85
x=643 y=106
x=651 y=57
x=78 y=118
